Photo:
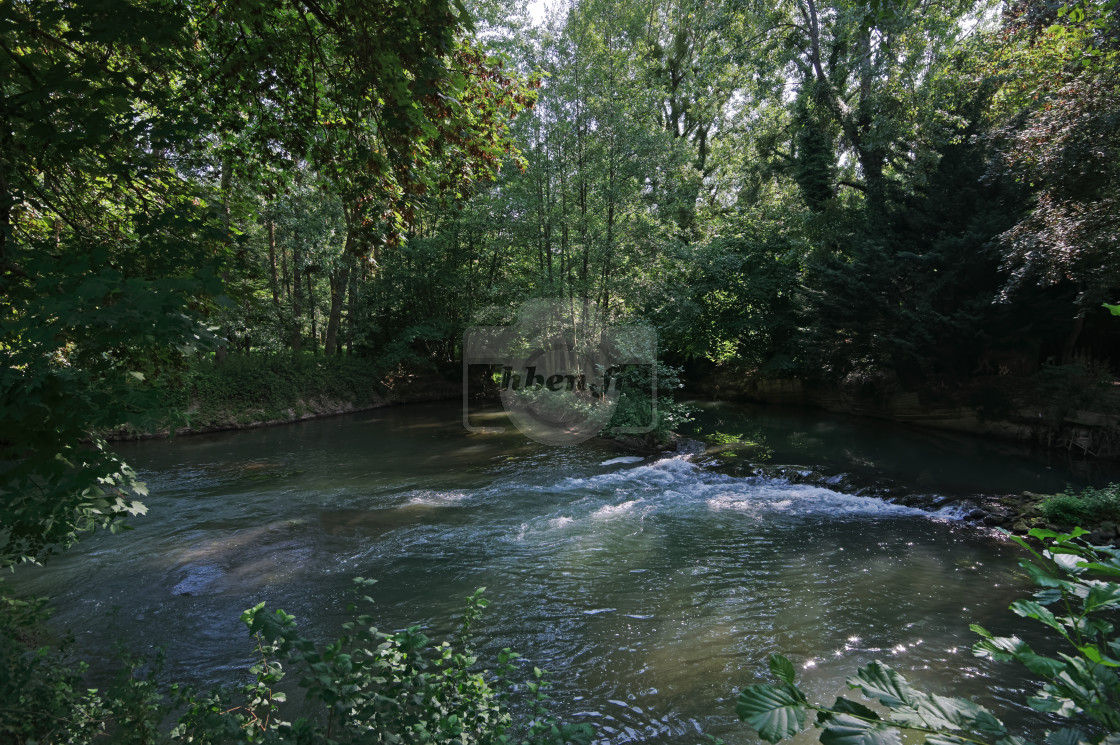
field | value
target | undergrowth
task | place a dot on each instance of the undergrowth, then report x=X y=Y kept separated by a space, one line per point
x=1086 y=507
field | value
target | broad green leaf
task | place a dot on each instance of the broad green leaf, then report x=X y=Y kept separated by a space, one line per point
x=1103 y=595
x=1041 y=665
x=782 y=668
x=772 y=711
x=1110 y=567
x=1012 y=648
x=1031 y=609
x=847 y=706
x=878 y=681
x=1067 y=736
x=845 y=729
x=1043 y=577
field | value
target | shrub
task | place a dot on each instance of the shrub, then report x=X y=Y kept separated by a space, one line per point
x=369 y=686
x=1087 y=507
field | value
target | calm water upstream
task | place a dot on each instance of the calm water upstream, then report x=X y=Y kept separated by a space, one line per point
x=649 y=589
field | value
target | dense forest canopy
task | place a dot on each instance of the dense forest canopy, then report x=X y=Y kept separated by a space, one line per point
x=891 y=192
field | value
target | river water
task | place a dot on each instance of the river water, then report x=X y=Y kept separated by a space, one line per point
x=649 y=588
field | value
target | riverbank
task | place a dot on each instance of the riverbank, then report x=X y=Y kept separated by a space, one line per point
x=1064 y=408
x=246 y=392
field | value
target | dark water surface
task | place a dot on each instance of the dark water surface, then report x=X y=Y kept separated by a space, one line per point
x=649 y=589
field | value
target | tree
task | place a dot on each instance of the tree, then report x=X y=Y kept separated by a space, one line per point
x=137 y=138
x=106 y=255
x=1058 y=116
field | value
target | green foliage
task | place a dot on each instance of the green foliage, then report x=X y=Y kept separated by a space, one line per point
x=734 y=445
x=733 y=299
x=107 y=258
x=1063 y=389
x=1078 y=593
x=1056 y=66
x=648 y=401
x=41 y=696
x=143 y=140
x=262 y=387
x=368 y=686
x=814 y=168
x=1088 y=506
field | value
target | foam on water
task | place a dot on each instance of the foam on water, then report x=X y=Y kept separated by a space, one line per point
x=674 y=483
x=623 y=459
x=436 y=498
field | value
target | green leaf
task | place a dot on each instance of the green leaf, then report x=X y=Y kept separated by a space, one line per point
x=1102 y=595
x=1067 y=736
x=943 y=739
x=847 y=706
x=774 y=712
x=845 y=729
x=1012 y=648
x=1031 y=609
x=782 y=668
x=1042 y=576
x=878 y=681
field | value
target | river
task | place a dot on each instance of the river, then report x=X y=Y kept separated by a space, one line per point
x=650 y=588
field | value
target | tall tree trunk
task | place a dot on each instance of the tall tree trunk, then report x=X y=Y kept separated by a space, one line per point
x=565 y=269
x=548 y=220
x=314 y=314
x=5 y=209
x=339 y=279
x=605 y=297
x=583 y=289
x=285 y=278
x=297 y=297
x=854 y=123
x=227 y=195
x=351 y=308
x=1070 y=344
x=274 y=285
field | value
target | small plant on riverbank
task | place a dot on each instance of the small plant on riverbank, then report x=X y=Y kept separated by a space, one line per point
x=1079 y=592
x=1086 y=507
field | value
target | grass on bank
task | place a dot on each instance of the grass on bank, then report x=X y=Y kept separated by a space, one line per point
x=1086 y=507
x=244 y=389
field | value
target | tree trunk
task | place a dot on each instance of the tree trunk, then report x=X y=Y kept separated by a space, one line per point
x=297 y=297
x=227 y=193
x=274 y=285
x=314 y=315
x=1070 y=345
x=339 y=280
x=351 y=308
